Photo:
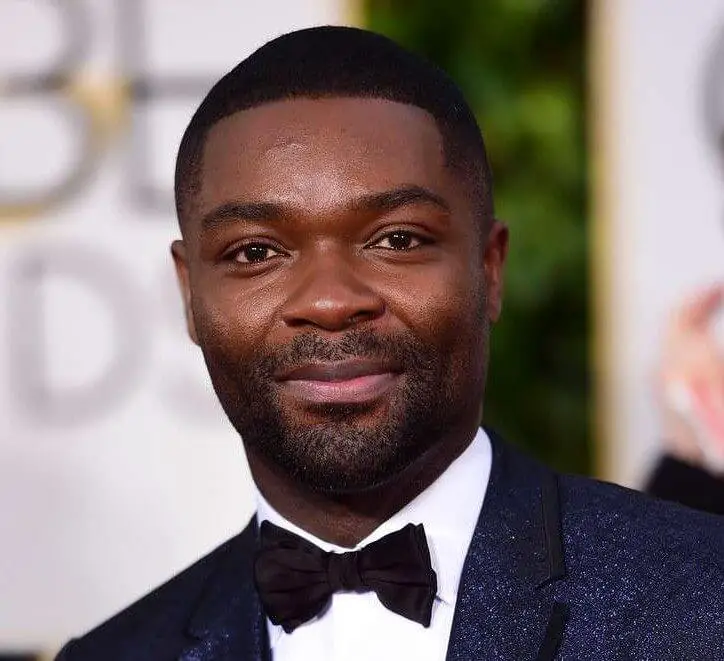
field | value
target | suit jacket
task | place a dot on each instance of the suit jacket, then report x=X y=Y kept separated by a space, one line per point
x=559 y=567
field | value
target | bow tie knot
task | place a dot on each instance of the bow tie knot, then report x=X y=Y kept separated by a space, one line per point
x=295 y=579
x=343 y=572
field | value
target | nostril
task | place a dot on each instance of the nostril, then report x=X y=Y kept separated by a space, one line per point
x=358 y=317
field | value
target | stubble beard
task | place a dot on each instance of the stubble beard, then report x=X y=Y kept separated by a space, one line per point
x=340 y=449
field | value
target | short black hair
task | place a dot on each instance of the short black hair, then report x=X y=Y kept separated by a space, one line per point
x=335 y=61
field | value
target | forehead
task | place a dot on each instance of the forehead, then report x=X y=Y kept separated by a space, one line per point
x=314 y=151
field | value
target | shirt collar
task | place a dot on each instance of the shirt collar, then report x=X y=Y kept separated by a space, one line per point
x=449 y=527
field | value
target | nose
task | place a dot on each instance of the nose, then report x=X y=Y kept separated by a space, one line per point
x=332 y=295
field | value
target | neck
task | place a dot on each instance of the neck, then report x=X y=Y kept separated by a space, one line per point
x=345 y=520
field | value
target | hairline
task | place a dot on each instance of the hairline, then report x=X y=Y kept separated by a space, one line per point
x=194 y=153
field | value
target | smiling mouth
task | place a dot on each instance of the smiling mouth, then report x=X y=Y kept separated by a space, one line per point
x=349 y=382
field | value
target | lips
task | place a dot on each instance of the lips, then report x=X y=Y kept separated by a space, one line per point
x=348 y=382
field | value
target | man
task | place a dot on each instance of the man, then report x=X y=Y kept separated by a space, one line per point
x=340 y=268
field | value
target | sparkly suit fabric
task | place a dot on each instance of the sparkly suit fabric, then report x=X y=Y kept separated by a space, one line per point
x=560 y=567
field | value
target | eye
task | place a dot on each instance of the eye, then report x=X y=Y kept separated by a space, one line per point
x=254 y=253
x=400 y=240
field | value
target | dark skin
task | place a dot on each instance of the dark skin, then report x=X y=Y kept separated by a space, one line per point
x=331 y=217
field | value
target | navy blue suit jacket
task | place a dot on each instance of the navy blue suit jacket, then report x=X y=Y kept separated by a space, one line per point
x=559 y=567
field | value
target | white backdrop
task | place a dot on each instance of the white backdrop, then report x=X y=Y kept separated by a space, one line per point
x=659 y=112
x=117 y=467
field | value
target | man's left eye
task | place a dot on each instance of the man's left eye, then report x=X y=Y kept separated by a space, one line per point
x=399 y=240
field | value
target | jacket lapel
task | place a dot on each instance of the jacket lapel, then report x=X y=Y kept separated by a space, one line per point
x=506 y=607
x=228 y=622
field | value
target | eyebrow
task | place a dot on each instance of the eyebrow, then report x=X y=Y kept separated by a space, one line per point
x=382 y=202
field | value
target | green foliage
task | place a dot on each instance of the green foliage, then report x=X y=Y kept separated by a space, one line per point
x=521 y=64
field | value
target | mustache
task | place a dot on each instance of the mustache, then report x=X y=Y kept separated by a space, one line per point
x=402 y=350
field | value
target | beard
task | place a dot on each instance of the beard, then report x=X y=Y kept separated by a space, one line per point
x=333 y=448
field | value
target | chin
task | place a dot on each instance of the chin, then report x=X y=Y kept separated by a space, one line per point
x=359 y=454
x=350 y=484
x=377 y=413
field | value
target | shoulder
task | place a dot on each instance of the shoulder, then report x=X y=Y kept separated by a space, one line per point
x=154 y=626
x=621 y=517
x=634 y=562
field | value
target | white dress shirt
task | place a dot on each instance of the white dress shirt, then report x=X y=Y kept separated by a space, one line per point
x=357 y=626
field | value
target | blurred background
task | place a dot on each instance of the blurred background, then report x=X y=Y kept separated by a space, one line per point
x=117 y=467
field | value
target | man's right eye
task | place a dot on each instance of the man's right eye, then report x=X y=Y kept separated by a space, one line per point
x=253 y=253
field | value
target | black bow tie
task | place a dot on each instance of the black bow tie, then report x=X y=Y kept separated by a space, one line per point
x=295 y=579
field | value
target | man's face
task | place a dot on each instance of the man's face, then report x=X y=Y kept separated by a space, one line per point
x=338 y=283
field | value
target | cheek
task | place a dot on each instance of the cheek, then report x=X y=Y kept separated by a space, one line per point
x=443 y=309
x=448 y=317
x=229 y=320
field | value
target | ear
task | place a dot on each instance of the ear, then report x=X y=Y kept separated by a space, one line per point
x=496 y=250
x=180 y=260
